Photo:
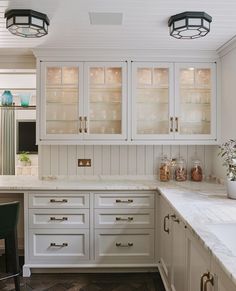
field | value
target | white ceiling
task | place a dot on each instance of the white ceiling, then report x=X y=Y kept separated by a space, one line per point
x=144 y=24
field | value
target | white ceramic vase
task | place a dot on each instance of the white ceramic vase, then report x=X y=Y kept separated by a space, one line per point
x=231 y=189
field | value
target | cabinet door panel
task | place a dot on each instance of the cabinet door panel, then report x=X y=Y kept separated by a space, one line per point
x=222 y=282
x=152 y=100
x=178 y=256
x=61 y=100
x=49 y=246
x=195 y=103
x=198 y=263
x=123 y=246
x=165 y=238
x=105 y=104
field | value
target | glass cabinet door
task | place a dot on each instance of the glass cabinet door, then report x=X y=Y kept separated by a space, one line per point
x=105 y=93
x=195 y=114
x=62 y=99
x=152 y=101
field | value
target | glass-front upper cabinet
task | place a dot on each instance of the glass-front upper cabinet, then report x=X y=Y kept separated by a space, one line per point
x=152 y=101
x=106 y=100
x=61 y=102
x=195 y=101
x=83 y=100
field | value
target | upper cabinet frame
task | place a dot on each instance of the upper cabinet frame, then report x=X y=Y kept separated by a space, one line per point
x=128 y=102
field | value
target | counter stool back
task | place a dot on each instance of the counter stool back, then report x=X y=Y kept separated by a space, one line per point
x=9 y=213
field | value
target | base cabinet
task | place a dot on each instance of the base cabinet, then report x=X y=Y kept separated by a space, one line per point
x=59 y=246
x=185 y=263
x=124 y=246
x=165 y=239
x=222 y=281
x=178 y=279
x=198 y=265
x=172 y=248
x=76 y=229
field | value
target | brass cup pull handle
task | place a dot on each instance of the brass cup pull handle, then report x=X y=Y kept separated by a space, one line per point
x=124 y=201
x=177 y=124
x=121 y=245
x=80 y=124
x=59 y=245
x=202 y=283
x=124 y=219
x=58 y=201
x=166 y=229
x=85 y=124
x=58 y=219
x=209 y=280
x=171 y=124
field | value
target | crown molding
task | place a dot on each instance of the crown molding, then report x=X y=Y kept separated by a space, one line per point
x=125 y=54
x=227 y=47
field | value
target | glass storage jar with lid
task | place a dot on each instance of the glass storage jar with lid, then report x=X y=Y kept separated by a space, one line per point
x=164 y=169
x=196 y=171
x=180 y=170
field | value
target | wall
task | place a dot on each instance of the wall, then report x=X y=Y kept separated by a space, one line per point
x=117 y=160
x=228 y=106
x=15 y=59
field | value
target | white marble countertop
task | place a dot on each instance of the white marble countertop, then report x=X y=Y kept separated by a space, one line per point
x=198 y=204
x=24 y=183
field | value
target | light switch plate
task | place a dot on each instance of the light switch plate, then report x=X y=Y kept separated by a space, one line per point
x=84 y=162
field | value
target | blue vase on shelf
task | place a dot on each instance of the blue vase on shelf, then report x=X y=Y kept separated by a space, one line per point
x=7 y=98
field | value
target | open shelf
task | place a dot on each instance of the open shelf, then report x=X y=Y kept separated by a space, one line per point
x=18 y=107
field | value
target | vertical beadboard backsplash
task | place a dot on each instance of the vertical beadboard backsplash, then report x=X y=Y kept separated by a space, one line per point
x=60 y=160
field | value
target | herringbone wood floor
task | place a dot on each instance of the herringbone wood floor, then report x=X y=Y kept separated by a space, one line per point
x=88 y=282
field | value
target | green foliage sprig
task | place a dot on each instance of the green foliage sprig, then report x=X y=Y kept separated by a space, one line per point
x=228 y=154
x=24 y=157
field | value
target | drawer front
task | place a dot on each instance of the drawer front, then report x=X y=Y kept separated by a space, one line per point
x=122 y=200
x=62 y=246
x=124 y=246
x=128 y=218
x=58 y=218
x=57 y=200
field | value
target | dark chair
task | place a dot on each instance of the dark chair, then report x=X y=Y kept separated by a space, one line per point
x=9 y=213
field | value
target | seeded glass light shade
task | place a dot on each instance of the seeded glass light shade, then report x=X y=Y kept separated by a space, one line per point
x=27 y=23
x=189 y=25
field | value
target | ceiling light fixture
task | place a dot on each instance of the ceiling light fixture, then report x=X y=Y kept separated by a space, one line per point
x=189 y=25
x=27 y=23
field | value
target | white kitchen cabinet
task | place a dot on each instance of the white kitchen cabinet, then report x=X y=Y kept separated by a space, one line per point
x=124 y=246
x=172 y=248
x=83 y=101
x=124 y=227
x=75 y=229
x=128 y=218
x=195 y=101
x=177 y=104
x=185 y=263
x=105 y=103
x=198 y=265
x=165 y=239
x=152 y=100
x=222 y=282
x=58 y=246
x=124 y=200
x=178 y=278
x=61 y=100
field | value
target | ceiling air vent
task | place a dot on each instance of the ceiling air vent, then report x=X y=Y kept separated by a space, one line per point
x=105 y=18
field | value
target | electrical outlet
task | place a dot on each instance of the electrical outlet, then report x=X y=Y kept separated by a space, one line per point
x=84 y=162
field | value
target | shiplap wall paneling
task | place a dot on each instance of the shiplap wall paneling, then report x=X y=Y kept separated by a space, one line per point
x=119 y=160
